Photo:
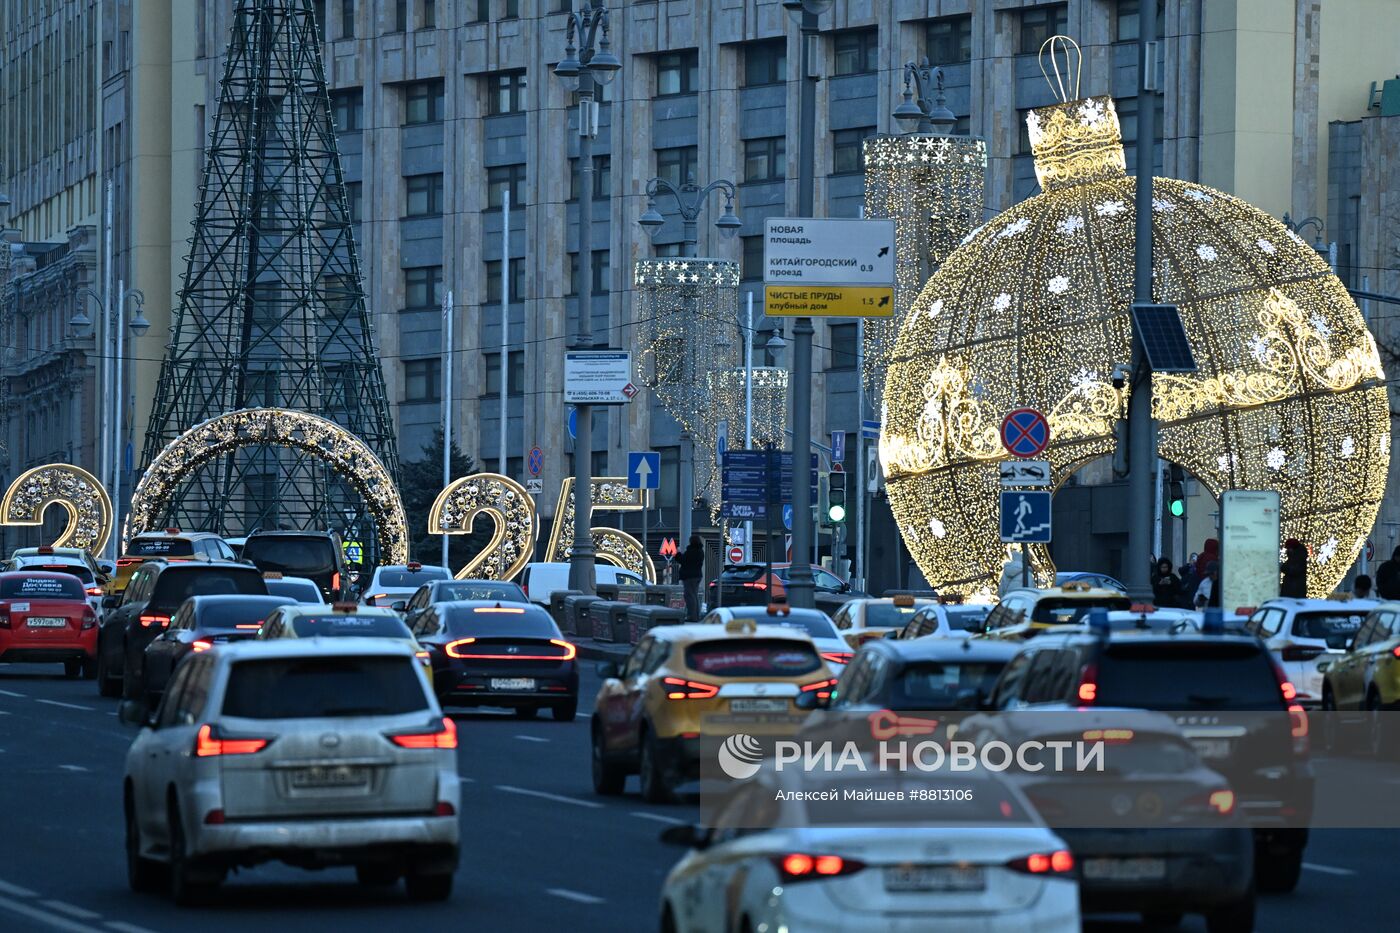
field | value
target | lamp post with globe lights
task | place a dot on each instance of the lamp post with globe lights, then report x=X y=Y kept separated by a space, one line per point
x=927 y=114
x=588 y=62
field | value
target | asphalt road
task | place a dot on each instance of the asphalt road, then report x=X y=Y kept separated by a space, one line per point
x=540 y=852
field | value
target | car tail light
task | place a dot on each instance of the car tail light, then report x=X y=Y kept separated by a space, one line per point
x=821 y=688
x=1109 y=736
x=127 y=561
x=1300 y=652
x=444 y=737
x=89 y=619
x=838 y=657
x=444 y=808
x=799 y=866
x=335 y=582
x=1088 y=690
x=94 y=590
x=214 y=818
x=757 y=585
x=1216 y=803
x=461 y=648
x=373 y=598
x=210 y=743
x=249 y=626
x=1395 y=651
x=201 y=644
x=5 y=616
x=148 y=621
x=678 y=688
x=1059 y=862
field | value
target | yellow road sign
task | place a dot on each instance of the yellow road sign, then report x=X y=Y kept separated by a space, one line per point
x=827 y=301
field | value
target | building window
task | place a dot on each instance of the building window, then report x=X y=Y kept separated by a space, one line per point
x=948 y=41
x=512 y=10
x=338 y=295
x=857 y=52
x=503 y=178
x=1039 y=24
x=422 y=288
x=843 y=346
x=318 y=15
x=493 y=281
x=676 y=165
x=507 y=92
x=765 y=62
x=422 y=380
x=602 y=178
x=601 y=273
x=765 y=159
x=354 y=200
x=963 y=127
x=1129 y=26
x=493 y=374
x=482 y=10
x=677 y=72
x=423 y=102
x=1023 y=133
x=348 y=109
x=1127 y=108
x=848 y=156
x=424 y=195
x=262 y=389
x=347 y=19
x=429 y=20
x=751 y=265
x=668 y=250
x=400 y=15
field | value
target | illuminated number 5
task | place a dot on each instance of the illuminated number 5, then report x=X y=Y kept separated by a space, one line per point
x=609 y=494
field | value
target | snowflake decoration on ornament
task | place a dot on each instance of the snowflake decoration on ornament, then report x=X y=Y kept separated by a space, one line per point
x=1348 y=447
x=1162 y=206
x=1265 y=246
x=1197 y=194
x=1092 y=112
x=1259 y=348
x=1328 y=549
x=1207 y=252
x=1110 y=208
x=1070 y=225
x=935 y=308
x=1013 y=229
x=1058 y=285
x=1319 y=324
x=1085 y=381
x=1001 y=302
x=1275 y=458
x=936 y=526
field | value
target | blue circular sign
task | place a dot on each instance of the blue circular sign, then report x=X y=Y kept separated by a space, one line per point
x=1025 y=432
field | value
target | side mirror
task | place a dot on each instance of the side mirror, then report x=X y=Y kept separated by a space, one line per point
x=1323 y=666
x=689 y=835
x=399 y=605
x=608 y=670
x=845 y=588
x=111 y=601
x=107 y=567
x=892 y=633
x=135 y=713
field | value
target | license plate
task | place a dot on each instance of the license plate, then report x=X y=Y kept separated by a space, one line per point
x=958 y=878
x=46 y=622
x=758 y=706
x=330 y=776
x=1212 y=748
x=1125 y=869
x=512 y=683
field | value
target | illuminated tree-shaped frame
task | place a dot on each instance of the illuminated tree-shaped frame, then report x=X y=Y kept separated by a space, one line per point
x=325 y=440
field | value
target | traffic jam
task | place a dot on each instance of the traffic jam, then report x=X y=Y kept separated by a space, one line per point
x=272 y=711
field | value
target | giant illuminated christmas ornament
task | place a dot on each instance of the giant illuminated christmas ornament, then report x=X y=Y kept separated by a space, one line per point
x=1033 y=310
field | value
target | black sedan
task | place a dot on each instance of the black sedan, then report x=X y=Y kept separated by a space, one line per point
x=499 y=654
x=202 y=623
x=922 y=674
x=447 y=591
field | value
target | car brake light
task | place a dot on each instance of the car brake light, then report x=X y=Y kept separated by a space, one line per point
x=1059 y=862
x=444 y=808
x=1300 y=652
x=335 y=582
x=209 y=744
x=678 y=688
x=201 y=644
x=757 y=585
x=799 y=866
x=1088 y=684
x=148 y=621
x=822 y=688
x=1395 y=651
x=127 y=561
x=89 y=618
x=1288 y=690
x=94 y=590
x=445 y=737
x=214 y=818
x=838 y=657
x=458 y=649
x=1222 y=801
x=249 y=626
x=45 y=549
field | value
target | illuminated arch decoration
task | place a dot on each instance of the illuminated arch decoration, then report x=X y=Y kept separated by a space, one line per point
x=80 y=494
x=341 y=450
x=512 y=510
x=1033 y=310
x=609 y=494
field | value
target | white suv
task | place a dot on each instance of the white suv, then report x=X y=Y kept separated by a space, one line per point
x=313 y=752
x=1303 y=633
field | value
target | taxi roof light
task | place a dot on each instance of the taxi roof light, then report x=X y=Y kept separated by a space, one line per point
x=904 y=600
x=742 y=626
x=344 y=607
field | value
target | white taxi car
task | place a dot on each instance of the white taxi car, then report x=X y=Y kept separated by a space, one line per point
x=1304 y=634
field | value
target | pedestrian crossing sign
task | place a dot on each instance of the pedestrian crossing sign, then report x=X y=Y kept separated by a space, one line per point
x=1025 y=516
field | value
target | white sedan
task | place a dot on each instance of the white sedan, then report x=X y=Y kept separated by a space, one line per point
x=830 y=644
x=396 y=583
x=987 y=864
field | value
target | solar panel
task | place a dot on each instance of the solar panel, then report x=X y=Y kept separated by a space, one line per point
x=1163 y=338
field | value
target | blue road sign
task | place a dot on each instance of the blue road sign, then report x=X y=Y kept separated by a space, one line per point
x=1025 y=433
x=787 y=517
x=838 y=446
x=643 y=469
x=536 y=462
x=753 y=478
x=573 y=423
x=1025 y=516
x=743 y=511
x=870 y=430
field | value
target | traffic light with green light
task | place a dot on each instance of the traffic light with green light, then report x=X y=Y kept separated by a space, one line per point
x=1176 y=496
x=836 y=499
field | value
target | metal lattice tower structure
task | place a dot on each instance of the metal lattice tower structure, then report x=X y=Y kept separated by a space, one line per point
x=272 y=310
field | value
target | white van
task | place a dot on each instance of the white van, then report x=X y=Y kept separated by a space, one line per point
x=540 y=581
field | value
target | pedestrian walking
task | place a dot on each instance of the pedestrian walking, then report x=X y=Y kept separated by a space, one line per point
x=1208 y=592
x=692 y=574
x=1388 y=577
x=1294 y=569
x=1166 y=586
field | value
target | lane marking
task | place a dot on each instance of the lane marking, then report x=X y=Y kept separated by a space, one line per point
x=545 y=795
x=86 y=709
x=72 y=767
x=16 y=890
x=82 y=913
x=11 y=693
x=43 y=916
x=531 y=738
x=1327 y=869
x=125 y=927
x=578 y=897
x=670 y=820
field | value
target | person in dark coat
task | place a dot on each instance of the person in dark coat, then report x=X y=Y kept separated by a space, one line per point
x=692 y=574
x=1166 y=586
x=1189 y=582
x=1294 y=570
x=1388 y=577
x=1211 y=552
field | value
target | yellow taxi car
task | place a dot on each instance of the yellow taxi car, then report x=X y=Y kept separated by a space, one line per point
x=1025 y=613
x=679 y=681
x=171 y=544
x=339 y=620
x=863 y=619
x=1364 y=681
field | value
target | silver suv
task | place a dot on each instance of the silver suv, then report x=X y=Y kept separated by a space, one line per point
x=314 y=752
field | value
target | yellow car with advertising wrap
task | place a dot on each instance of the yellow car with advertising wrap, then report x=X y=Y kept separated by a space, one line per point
x=1023 y=614
x=683 y=680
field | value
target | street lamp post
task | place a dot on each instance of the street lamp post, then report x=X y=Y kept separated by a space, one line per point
x=585 y=65
x=690 y=200
x=928 y=114
x=1327 y=251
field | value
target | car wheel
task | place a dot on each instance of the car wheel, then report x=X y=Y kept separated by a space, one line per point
x=107 y=685
x=377 y=875
x=132 y=682
x=190 y=884
x=1237 y=917
x=89 y=668
x=565 y=712
x=72 y=669
x=668 y=920
x=1162 y=919
x=436 y=886
x=655 y=788
x=608 y=777
x=526 y=712
x=1277 y=873
x=143 y=875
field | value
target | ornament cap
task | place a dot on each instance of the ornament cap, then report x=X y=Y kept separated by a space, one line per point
x=1076 y=142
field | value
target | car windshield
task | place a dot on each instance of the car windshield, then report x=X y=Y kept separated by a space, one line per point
x=501 y=622
x=80 y=571
x=752 y=657
x=966 y=618
x=888 y=615
x=160 y=547
x=404 y=579
x=45 y=587
x=177 y=584
x=349 y=623
x=314 y=688
x=1336 y=628
x=939 y=684
x=231 y=614
x=742 y=573
x=485 y=591
x=301 y=591
x=813 y=623
x=1184 y=675
x=1074 y=611
x=296 y=556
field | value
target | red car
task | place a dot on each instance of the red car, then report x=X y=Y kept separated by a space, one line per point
x=45 y=617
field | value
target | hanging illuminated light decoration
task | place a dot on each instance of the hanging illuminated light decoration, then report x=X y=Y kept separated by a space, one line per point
x=729 y=400
x=932 y=187
x=1033 y=310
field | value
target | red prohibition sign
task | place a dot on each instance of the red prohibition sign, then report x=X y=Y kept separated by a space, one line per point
x=1025 y=433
